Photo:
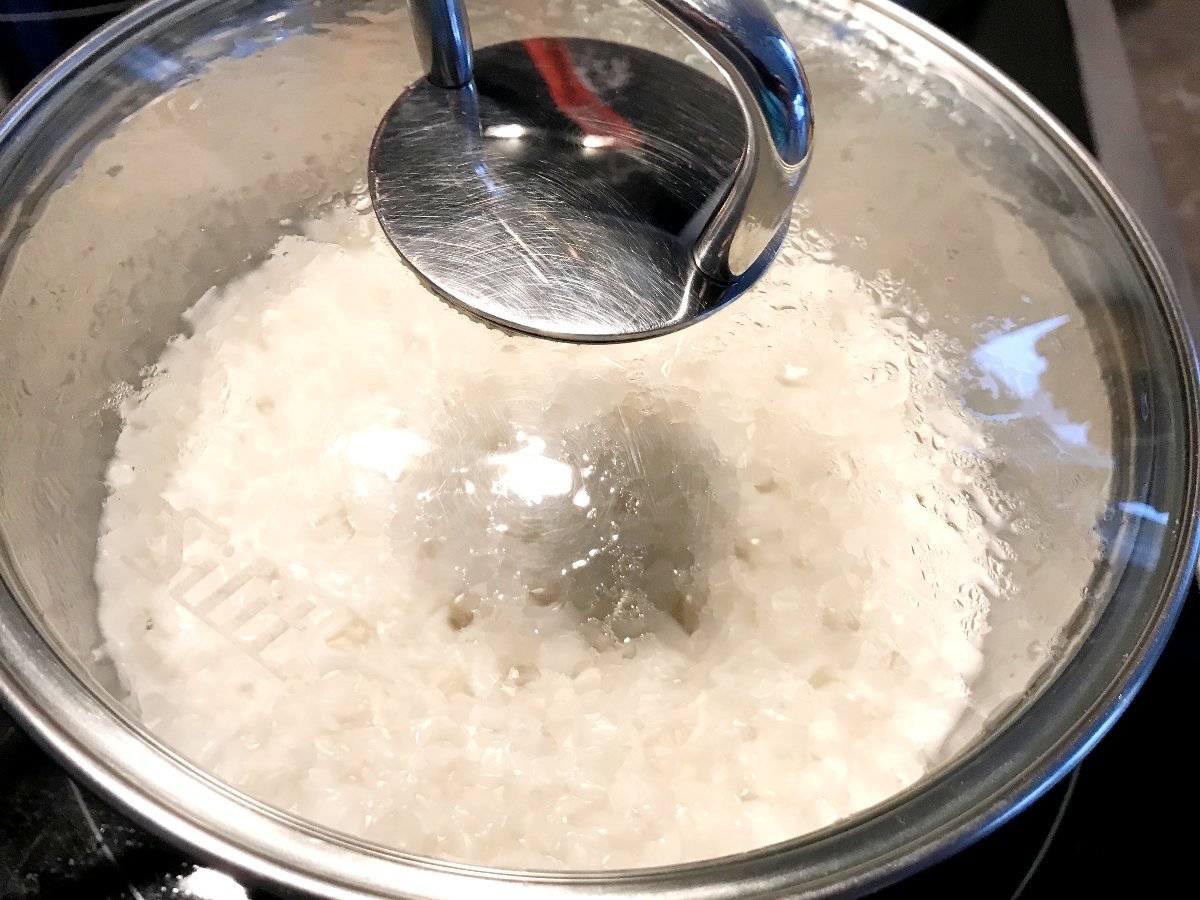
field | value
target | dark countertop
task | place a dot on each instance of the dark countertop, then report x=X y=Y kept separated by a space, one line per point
x=1162 y=38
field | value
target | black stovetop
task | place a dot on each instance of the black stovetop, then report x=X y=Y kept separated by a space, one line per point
x=1099 y=832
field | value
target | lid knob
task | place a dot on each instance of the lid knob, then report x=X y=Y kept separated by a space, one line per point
x=591 y=191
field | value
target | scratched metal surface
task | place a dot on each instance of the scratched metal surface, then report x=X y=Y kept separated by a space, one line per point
x=517 y=219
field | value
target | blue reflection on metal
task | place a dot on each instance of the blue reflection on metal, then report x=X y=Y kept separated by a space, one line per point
x=1145 y=511
x=485 y=175
x=1148 y=541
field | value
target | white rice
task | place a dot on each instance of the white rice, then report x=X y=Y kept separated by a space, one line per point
x=350 y=564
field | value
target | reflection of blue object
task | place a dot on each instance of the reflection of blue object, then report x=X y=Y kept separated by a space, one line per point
x=1012 y=358
x=1009 y=363
x=230 y=40
x=773 y=106
x=1146 y=548
x=1073 y=432
x=150 y=65
x=485 y=176
x=1145 y=511
x=777 y=122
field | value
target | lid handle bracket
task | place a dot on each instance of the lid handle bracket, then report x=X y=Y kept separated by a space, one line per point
x=747 y=44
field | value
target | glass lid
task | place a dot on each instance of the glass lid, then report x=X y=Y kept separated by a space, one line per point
x=499 y=600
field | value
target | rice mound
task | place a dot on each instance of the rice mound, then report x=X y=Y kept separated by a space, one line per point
x=511 y=602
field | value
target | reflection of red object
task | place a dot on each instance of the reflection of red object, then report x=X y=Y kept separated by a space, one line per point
x=595 y=118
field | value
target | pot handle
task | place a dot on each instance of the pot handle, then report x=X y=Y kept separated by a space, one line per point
x=746 y=43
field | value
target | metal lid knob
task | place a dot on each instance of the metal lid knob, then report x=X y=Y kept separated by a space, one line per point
x=590 y=191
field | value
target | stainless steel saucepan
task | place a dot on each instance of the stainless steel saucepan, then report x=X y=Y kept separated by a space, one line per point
x=171 y=150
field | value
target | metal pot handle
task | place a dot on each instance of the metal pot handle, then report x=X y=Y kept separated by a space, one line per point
x=746 y=43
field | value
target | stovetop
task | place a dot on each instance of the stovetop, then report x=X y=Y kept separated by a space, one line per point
x=1099 y=832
